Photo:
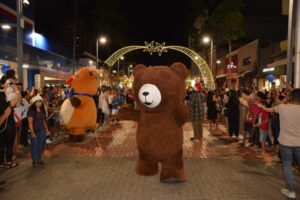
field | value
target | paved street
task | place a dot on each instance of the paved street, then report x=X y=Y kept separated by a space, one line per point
x=103 y=168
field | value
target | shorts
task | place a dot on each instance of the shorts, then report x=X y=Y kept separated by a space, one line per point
x=114 y=111
x=248 y=126
x=263 y=136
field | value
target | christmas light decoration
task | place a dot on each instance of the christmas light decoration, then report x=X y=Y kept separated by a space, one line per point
x=155 y=47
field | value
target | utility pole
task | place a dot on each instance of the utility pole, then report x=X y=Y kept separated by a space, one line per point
x=75 y=32
x=297 y=47
x=20 y=27
x=290 y=50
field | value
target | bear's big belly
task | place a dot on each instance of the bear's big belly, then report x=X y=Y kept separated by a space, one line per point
x=159 y=138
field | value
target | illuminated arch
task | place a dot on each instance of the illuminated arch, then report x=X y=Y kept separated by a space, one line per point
x=161 y=48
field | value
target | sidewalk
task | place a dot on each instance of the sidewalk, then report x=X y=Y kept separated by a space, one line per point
x=103 y=169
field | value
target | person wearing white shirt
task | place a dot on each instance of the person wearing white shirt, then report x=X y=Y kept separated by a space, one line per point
x=289 y=138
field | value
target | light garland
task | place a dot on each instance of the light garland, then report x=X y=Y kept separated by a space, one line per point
x=155 y=47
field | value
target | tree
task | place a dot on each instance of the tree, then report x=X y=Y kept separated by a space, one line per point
x=227 y=21
x=109 y=20
x=223 y=20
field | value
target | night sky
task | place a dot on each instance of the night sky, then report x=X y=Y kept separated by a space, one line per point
x=147 y=20
x=158 y=20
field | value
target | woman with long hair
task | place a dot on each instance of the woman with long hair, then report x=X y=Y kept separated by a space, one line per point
x=212 y=110
x=38 y=129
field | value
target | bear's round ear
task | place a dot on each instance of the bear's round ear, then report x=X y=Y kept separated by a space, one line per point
x=138 y=69
x=180 y=70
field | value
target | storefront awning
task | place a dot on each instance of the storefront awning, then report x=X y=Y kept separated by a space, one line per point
x=278 y=63
x=221 y=76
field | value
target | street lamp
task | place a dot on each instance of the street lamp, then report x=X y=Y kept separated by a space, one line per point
x=6 y=27
x=206 y=40
x=90 y=62
x=20 y=27
x=218 y=62
x=129 y=69
x=102 y=41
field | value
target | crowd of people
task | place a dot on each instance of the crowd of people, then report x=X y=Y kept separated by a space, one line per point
x=265 y=121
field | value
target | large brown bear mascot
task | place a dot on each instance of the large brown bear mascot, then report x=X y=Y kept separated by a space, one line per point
x=159 y=93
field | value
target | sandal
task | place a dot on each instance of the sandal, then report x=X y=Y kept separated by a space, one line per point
x=11 y=165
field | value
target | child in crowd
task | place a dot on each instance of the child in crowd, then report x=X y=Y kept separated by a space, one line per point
x=263 y=124
x=116 y=101
x=10 y=85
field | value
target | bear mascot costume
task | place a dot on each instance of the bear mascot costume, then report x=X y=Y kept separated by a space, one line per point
x=159 y=93
x=78 y=112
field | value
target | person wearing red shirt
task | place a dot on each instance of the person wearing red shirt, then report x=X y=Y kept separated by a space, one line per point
x=263 y=124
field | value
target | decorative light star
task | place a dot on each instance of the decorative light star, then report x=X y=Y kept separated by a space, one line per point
x=160 y=48
x=149 y=47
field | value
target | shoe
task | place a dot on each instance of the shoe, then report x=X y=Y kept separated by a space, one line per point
x=2 y=182
x=241 y=137
x=41 y=162
x=48 y=141
x=275 y=158
x=289 y=194
x=247 y=145
x=34 y=164
x=233 y=137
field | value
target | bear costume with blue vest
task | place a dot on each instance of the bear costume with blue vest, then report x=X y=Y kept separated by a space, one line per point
x=78 y=112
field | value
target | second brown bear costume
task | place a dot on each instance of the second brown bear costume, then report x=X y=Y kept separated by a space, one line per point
x=159 y=93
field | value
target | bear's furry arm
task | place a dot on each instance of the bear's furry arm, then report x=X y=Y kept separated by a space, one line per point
x=129 y=114
x=181 y=114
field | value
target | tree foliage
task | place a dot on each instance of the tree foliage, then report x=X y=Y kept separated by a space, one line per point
x=108 y=20
x=222 y=19
x=227 y=21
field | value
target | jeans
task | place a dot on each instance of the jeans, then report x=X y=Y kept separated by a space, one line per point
x=37 y=145
x=287 y=154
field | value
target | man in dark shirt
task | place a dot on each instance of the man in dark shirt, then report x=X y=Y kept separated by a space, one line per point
x=5 y=111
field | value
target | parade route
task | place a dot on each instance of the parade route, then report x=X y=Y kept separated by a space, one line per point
x=103 y=168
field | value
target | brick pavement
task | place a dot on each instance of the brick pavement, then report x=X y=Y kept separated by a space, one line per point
x=103 y=168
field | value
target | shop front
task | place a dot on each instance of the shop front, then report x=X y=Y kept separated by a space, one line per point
x=40 y=67
x=273 y=72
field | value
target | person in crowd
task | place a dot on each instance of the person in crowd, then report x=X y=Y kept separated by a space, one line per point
x=196 y=111
x=103 y=105
x=253 y=108
x=129 y=98
x=248 y=118
x=116 y=101
x=275 y=125
x=211 y=103
x=243 y=106
x=5 y=112
x=24 y=111
x=225 y=109
x=233 y=114
x=10 y=84
x=8 y=128
x=51 y=120
x=263 y=125
x=38 y=129
x=289 y=137
x=96 y=100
